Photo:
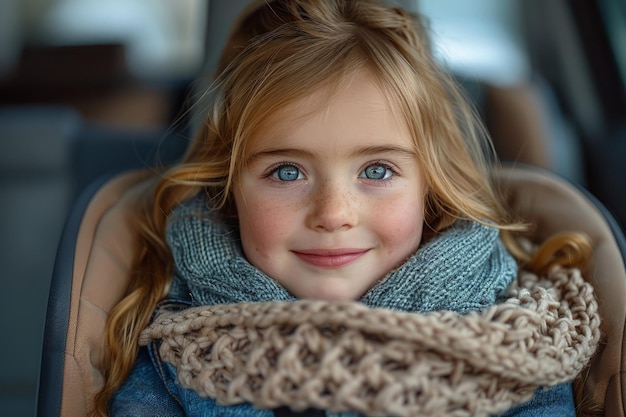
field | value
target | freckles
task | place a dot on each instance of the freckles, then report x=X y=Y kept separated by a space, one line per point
x=270 y=220
x=296 y=205
x=346 y=199
x=399 y=216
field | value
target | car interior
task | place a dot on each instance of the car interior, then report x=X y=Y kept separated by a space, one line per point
x=87 y=110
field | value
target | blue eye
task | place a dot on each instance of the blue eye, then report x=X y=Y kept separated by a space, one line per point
x=287 y=173
x=376 y=172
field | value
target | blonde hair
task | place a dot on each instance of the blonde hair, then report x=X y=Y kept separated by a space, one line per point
x=272 y=59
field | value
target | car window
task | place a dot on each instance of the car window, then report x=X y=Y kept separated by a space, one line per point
x=163 y=39
x=481 y=39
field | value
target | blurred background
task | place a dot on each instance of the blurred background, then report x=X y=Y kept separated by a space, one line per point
x=90 y=87
x=86 y=87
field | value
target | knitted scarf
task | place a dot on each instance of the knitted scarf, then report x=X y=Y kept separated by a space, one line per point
x=370 y=357
x=463 y=269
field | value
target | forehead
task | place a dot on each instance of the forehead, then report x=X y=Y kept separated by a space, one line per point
x=355 y=105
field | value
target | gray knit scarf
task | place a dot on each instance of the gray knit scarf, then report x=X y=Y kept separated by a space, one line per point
x=465 y=268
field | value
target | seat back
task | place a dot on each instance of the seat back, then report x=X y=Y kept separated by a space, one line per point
x=554 y=205
x=89 y=278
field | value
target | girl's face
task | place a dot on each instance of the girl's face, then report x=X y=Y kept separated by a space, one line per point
x=330 y=201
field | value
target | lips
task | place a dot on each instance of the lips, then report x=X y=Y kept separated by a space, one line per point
x=330 y=258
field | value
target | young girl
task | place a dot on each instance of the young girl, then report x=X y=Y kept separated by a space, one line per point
x=332 y=241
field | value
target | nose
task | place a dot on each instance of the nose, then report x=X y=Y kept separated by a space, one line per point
x=333 y=207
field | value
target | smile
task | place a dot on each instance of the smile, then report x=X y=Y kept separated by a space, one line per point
x=333 y=258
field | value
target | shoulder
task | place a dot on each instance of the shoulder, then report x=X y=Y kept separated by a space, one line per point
x=144 y=392
x=557 y=401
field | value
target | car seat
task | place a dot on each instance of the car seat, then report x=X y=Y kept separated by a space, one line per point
x=94 y=256
x=553 y=204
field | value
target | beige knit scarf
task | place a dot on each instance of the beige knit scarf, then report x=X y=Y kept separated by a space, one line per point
x=343 y=356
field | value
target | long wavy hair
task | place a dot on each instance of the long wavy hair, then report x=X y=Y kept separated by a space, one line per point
x=281 y=51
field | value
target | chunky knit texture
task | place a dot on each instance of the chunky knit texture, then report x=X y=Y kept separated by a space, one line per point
x=348 y=357
x=463 y=269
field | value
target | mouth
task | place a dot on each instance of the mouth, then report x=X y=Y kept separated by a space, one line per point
x=330 y=258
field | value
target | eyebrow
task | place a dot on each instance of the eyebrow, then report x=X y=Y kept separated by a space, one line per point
x=286 y=152
x=363 y=151
x=391 y=149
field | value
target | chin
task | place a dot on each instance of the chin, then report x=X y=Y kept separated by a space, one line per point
x=331 y=291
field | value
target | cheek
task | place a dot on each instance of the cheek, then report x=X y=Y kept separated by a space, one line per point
x=263 y=225
x=399 y=223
